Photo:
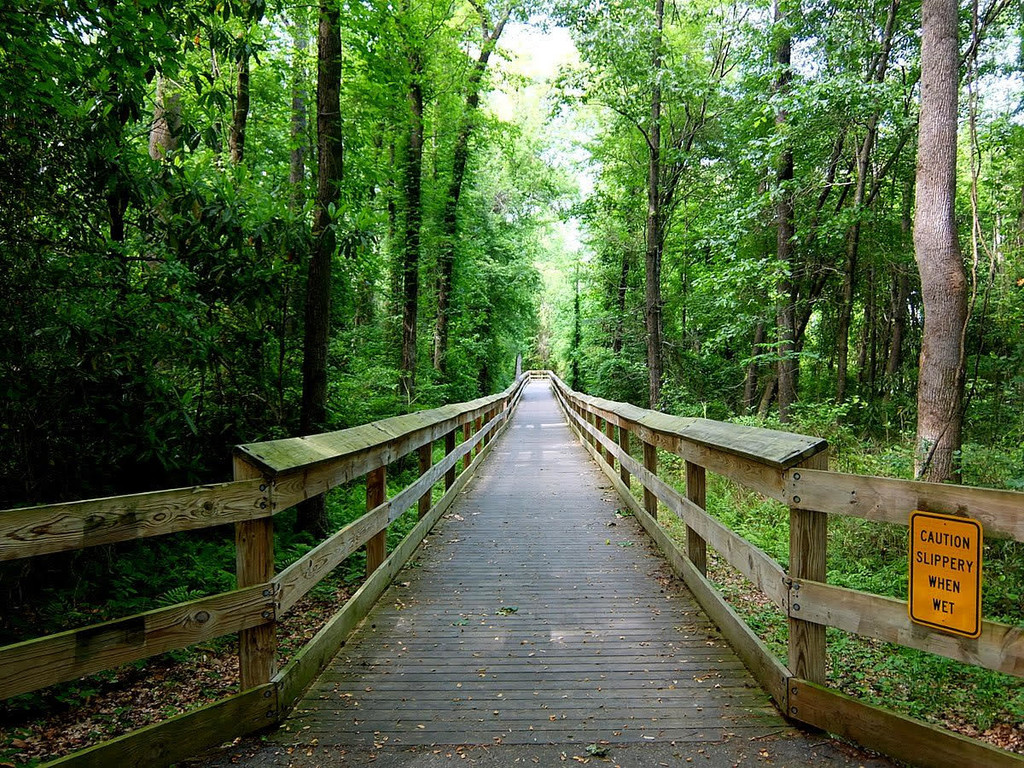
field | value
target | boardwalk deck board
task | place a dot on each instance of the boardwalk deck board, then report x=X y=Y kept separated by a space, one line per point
x=534 y=614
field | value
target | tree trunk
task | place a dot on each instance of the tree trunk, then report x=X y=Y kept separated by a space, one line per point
x=240 y=116
x=770 y=388
x=163 y=136
x=785 y=311
x=312 y=515
x=413 y=217
x=937 y=250
x=876 y=74
x=297 y=158
x=577 y=335
x=652 y=286
x=449 y=221
x=620 y=320
x=750 y=384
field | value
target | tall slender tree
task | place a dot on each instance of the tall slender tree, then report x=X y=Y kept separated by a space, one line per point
x=413 y=218
x=937 y=249
x=654 y=237
x=784 y=221
x=312 y=514
x=491 y=32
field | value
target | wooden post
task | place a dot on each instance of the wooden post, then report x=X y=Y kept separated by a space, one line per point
x=609 y=431
x=449 y=446
x=426 y=457
x=808 y=540
x=696 y=491
x=477 y=425
x=624 y=445
x=376 y=493
x=651 y=465
x=468 y=458
x=254 y=564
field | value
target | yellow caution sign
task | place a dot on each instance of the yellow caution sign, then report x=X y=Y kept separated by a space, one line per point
x=945 y=573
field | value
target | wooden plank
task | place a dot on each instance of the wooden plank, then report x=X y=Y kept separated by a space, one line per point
x=808 y=543
x=770 y=673
x=35 y=664
x=76 y=525
x=254 y=564
x=696 y=493
x=467 y=458
x=624 y=447
x=306 y=572
x=376 y=494
x=292 y=487
x=609 y=431
x=1000 y=647
x=889 y=500
x=325 y=460
x=651 y=465
x=449 y=447
x=426 y=458
x=749 y=560
x=163 y=744
x=302 y=575
x=765 y=446
x=904 y=738
x=633 y=638
x=314 y=656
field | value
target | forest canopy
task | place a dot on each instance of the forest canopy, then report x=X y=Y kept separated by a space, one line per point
x=232 y=221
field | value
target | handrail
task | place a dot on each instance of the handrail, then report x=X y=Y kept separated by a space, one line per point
x=794 y=469
x=270 y=477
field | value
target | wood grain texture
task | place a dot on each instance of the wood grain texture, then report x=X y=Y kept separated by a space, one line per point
x=766 y=446
x=449 y=446
x=306 y=572
x=1000 y=647
x=808 y=544
x=76 y=525
x=376 y=495
x=919 y=743
x=317 y=653
x=624 y=447
x=651 y=465
x=892 y=501
x=254 y=564
x=518 y=604
x=173 y=740
x=752 y=562
x=424 y=459
x=35 y=664
x=696 y=494
x=770 y=673
x=302 y=467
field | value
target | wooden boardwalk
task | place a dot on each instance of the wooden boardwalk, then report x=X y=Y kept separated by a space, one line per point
x=534 y=614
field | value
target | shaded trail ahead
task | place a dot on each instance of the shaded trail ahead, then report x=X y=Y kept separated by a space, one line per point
x=535 y=615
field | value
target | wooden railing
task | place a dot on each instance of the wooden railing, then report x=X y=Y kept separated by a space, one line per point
x=269 y=478
x=793 y=469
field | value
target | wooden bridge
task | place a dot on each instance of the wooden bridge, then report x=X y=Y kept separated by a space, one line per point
x=547 y=607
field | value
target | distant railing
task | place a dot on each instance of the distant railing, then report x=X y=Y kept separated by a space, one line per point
x=269 y=478
x=793 y=469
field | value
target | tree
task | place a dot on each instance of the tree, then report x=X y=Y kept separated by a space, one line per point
x=491 y=32
x=937 y=249
x=654 y=237
x=312 y=513
x=784 y=223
